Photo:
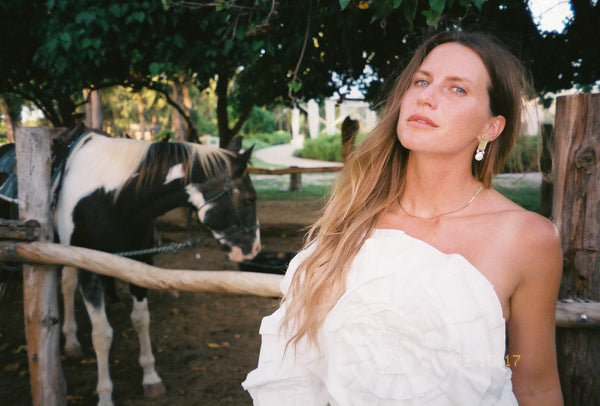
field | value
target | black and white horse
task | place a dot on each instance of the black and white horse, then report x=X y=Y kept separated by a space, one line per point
x=109 y=192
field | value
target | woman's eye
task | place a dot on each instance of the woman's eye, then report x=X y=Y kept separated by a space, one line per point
x=421 y=83
x=458 y=90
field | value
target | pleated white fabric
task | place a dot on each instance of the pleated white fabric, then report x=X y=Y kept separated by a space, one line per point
x=415 y=327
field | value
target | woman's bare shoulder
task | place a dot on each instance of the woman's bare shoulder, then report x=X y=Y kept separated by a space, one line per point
x=529 y=236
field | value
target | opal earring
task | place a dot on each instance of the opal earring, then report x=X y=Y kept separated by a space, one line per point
x=480 y=153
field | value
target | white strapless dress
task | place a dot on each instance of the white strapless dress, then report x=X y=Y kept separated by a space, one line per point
x=415 y=326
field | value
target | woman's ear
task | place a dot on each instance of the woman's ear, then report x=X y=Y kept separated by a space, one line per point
x=495 y=127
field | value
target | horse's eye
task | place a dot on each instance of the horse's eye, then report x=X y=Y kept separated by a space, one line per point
x=250 y=201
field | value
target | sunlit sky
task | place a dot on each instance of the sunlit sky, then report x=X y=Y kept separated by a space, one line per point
x=550 y=15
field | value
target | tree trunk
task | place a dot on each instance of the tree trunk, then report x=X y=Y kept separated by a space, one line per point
x=221 y=91
x=177 y=123
x=141 y=108
x=226 y=133
x=576 y=212
x=8 y=119
x=93 y=109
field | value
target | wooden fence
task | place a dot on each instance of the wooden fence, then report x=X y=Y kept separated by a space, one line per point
x=295 y=173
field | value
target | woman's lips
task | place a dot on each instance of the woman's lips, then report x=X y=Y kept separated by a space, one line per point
x=417 y=120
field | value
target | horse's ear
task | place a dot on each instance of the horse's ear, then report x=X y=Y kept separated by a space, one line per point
x=241 y=162
x=235 y=144
x=246 y=154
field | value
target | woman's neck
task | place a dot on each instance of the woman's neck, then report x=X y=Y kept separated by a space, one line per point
x=434 y=187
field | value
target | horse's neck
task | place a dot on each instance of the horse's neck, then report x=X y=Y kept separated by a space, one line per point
x=152 y=202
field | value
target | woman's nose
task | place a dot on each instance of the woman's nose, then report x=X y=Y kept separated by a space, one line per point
x=428 y=97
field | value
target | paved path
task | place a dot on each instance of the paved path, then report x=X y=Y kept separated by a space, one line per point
x=283 y=155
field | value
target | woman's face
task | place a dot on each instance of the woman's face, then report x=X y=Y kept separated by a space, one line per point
x=446 y=108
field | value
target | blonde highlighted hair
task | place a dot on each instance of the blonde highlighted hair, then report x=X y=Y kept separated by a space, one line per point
x=373 y=178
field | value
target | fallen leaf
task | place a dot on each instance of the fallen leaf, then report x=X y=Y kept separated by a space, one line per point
x=20 y=348
x=11 y=367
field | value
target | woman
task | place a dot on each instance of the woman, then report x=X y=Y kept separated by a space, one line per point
x=417 y=268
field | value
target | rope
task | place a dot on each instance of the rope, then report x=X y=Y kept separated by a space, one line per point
x=171 y=248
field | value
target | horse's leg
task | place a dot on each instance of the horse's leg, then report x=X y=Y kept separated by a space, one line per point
x=102 y=333
x=69 y=286
x=140 y=318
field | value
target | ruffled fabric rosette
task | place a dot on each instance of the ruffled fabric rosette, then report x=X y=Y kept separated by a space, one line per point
x=415 y=326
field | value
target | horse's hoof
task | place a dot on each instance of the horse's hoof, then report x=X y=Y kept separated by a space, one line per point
x=154 y=390
x=74 y=351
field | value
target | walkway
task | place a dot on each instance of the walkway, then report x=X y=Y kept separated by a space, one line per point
x=283 y=155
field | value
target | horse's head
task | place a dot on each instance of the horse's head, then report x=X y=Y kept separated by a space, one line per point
x=226 y=203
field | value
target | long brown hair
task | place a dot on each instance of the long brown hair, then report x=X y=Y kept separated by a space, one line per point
x=373 y=178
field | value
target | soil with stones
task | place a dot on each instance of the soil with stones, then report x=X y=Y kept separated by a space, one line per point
x=204 y=343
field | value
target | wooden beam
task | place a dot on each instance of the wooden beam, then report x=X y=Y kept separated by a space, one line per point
x=139 y=273
x=28 y=230
x=294 y=170
x=574 y=314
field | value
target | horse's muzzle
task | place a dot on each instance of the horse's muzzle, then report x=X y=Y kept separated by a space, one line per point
x=237 y=255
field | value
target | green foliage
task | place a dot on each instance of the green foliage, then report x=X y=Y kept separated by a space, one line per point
x=165 y=135
x=206 y=126
x=260 y=120
x=323 y=148
x=524 y=156
x=382 y=9
x=3 y=131
x=280 y=137
x=50 y=51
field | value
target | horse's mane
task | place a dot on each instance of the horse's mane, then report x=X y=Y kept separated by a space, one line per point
x=161 y=156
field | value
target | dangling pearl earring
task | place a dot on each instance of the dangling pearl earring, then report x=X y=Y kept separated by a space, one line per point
x=480 y=153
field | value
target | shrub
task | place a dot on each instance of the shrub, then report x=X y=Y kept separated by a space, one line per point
x=524 y=156
x=260 y=120
x=280 y=137
x=323 y=148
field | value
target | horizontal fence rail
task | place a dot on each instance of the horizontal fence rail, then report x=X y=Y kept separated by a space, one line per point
x=141 y=274
x=294 y=170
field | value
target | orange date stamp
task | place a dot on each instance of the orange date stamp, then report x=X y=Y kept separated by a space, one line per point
x=512 y=360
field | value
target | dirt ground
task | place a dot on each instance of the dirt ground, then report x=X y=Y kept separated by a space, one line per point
x=204 y=343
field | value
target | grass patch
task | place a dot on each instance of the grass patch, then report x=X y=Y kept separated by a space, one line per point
x=306 y=193
x=528 y=197
x=276 y=187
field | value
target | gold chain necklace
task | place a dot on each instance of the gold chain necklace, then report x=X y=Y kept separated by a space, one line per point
x=446 y=213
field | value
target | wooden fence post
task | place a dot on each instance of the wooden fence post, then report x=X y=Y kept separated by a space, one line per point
x=40 y=287
x=576 y=212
